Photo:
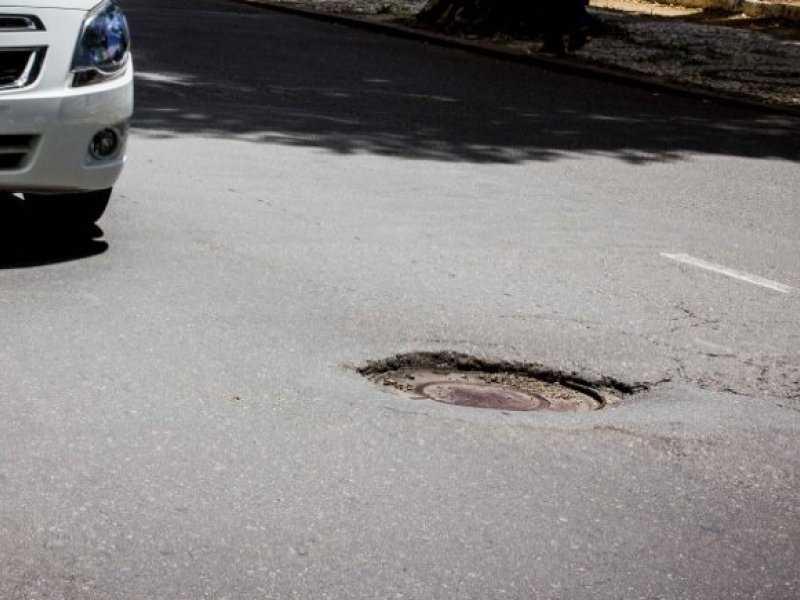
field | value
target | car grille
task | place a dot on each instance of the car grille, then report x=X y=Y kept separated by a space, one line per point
x=19 y=67
x=14 y=150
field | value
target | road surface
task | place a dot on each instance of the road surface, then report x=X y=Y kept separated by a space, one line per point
x=180 y=415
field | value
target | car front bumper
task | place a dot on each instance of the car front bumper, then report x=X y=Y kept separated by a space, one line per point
x=57 y=126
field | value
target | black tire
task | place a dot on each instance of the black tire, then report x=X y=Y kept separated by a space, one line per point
x=82 y=208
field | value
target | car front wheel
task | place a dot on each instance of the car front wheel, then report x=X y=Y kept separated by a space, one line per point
x=83 y=208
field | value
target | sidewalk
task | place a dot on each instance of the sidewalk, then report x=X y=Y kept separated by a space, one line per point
x=751 y=59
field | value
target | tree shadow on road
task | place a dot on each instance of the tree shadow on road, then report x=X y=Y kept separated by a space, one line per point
x=28 y=238
x=280 y=79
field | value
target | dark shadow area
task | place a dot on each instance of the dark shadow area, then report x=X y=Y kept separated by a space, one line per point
x=214 y=68
x=29 y=238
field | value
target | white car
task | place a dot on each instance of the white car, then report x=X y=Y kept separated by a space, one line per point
x=66 y=95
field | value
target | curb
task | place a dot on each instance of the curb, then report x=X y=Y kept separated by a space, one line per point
x=563 y=65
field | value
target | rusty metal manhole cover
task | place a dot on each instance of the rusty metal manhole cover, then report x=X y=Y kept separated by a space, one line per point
x=459 y=379
x=482 y=396
x=500 y=391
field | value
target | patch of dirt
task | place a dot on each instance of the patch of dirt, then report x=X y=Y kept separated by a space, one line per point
x=646 y=8
x=715 y=17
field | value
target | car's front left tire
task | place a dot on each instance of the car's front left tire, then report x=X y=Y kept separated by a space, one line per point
x=73 y=209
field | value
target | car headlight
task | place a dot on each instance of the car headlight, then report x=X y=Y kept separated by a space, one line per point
x=103 y=47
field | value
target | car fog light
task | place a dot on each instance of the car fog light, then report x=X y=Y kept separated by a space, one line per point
x=105 y=144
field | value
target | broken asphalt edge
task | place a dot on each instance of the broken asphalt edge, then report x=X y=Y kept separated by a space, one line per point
x=568 y=65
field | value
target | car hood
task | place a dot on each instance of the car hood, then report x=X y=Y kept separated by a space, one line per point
x=64 y=4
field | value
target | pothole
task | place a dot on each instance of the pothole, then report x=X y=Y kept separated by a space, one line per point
x=462 y=380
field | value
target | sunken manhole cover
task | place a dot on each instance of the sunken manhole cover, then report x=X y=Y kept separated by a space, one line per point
x=460 y=384
x=482 y=396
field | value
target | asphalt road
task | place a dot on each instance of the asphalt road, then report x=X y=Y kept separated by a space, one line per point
x=179 y=413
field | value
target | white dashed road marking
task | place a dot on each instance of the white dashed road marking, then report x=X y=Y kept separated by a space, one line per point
x=740 y=275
